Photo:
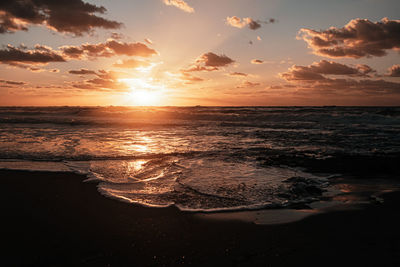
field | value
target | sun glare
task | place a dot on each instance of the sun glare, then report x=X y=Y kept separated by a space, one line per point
x=144 y=92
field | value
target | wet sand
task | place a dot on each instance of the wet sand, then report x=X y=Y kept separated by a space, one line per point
x=54 y=219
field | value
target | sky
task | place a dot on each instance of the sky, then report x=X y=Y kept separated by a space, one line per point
x=199 y=52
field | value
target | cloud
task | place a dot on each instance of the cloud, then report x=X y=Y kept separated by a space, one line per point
x=131 y=64
x=181 y=4
x=241 y=23
x=257 y=61
x=279 y=87
x=106 y=80
x=209 y=62
x=247 y=84
x=315 y=71
x=394 y=71
x=22 y=57
x=252 y=24
x=190 y=78
x=358 y=38
x=73 y=16
x=82 y=72
x=236 y=22
x=213 y=60
x=316 y=76
x=108 y=49
x=116 y=36
x=194 y=68
x=12 y=82
x=238 y=74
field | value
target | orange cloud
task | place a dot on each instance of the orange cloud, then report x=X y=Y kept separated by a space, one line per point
x=239 y=23
x=257 y=61
x=179 y=4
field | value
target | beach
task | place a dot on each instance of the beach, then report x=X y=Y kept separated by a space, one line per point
x=55 y=219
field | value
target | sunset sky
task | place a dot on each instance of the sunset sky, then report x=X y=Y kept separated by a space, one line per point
x=200 y=52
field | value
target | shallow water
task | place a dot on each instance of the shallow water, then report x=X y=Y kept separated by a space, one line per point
x=207 y=158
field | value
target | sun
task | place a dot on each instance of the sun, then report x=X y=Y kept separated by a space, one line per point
x=144 y=92
x=145 y=97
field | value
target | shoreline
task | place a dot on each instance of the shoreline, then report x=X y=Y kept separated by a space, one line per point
x=56 y=219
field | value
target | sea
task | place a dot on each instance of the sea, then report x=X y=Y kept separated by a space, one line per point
x=212 y=159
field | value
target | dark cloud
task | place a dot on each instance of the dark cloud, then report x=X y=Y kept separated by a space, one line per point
x=301 y=73
x=82 y=72
x=316 y=76
x=10 y=24
x=253 y=25
x=131 y=64
x=27 y=59
x=108 y=49
x=12 y=82
x=69 y=16
x=359 y=38
x=213 y=60
x=394 y=71
x=75 y=52
x=209 y=62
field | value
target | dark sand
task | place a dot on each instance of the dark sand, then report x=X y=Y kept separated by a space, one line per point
x=51 y=219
